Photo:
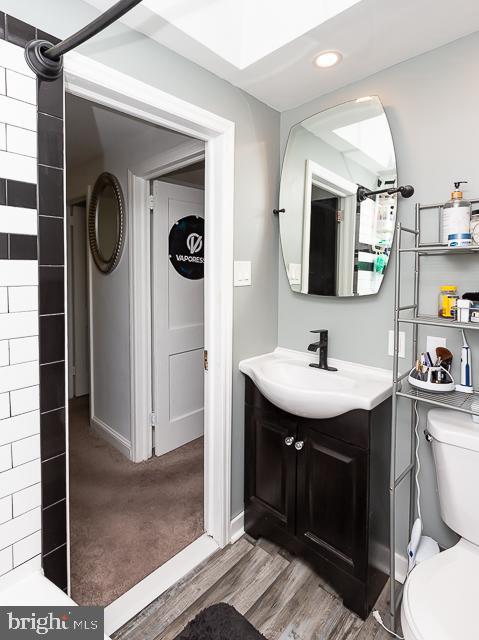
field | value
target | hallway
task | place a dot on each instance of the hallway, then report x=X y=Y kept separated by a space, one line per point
x=127 y=518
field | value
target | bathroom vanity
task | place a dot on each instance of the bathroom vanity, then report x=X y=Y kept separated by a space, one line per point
x=319 y=486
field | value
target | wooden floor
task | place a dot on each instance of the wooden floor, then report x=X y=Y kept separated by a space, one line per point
x=281 y=596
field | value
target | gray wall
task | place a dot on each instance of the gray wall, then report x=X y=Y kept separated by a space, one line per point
x=256 y=172
x=431 y=104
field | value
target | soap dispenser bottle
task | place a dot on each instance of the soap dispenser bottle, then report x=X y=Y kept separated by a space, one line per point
x=456 y=215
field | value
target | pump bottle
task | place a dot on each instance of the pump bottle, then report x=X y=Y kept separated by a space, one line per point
x=456 y=215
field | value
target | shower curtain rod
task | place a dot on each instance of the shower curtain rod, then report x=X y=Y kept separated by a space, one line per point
x=45 y=59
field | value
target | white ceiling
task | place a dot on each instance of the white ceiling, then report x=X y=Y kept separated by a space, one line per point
x=267 y=47
x=244 y=32
x=93 y=130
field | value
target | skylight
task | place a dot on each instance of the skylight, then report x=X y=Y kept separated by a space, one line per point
x=244 y=31
x=369 y=137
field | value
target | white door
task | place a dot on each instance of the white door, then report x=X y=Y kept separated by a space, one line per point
x=78 y=362
x=177 y=251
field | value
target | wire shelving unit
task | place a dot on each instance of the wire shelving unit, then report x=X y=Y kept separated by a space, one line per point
x=458 y=401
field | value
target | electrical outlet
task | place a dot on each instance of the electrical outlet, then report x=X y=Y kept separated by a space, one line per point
x=432 y=343
x=402 y=344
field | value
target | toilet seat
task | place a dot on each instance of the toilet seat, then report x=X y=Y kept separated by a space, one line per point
x=441 y=596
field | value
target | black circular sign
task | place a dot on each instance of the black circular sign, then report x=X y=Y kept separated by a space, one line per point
x=186 y=247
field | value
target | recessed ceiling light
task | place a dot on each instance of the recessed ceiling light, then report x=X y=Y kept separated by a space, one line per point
x=328 y=59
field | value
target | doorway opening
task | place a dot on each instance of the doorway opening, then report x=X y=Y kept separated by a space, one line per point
x=132 y=508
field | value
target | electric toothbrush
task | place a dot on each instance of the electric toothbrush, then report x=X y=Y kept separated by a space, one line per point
x=466 y=367
x=413 y=545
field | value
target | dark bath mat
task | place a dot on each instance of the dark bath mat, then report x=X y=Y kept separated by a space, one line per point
x=219 y=622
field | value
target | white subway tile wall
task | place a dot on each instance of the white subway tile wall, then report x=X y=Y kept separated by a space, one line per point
x=20 y=495
x=21 y=87
x=21 y=141
x=5 y=509
x=26 y=500
x=18 y=220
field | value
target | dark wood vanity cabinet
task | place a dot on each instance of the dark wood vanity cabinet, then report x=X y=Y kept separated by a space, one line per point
x=319 y=488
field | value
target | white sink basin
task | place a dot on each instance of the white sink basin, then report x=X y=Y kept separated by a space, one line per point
x=285 y=378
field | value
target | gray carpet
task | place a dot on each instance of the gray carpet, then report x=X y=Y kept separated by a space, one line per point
x=127 y=519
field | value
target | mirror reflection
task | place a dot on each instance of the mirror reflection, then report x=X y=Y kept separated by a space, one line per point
x=334 y=245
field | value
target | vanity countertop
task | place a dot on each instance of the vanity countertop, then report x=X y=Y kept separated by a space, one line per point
x=285 y=378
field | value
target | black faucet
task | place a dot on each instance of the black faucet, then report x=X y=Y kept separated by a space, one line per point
x=322 y=347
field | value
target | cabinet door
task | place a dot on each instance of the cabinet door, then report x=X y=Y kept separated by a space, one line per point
x=332 y=500
x=270 y=467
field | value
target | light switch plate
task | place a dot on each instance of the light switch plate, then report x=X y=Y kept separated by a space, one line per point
x=242 y=273
x=402 y=344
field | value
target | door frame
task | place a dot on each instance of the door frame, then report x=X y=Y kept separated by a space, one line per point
x=94 y=81
x=70 y=203
x=326 y=179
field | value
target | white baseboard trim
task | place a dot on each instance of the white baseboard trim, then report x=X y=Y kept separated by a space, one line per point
x=142 y=594
x=380 y=559
x=111 y=436
x=237 y=527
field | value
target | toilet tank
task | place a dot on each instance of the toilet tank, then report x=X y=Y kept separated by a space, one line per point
x=455 y=448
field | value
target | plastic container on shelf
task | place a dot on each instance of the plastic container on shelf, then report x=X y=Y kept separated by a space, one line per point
x=447 y=301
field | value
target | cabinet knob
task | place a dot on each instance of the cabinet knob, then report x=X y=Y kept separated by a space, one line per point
x=289 y=441
x=299 y=445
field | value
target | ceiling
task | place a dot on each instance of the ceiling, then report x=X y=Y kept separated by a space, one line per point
x=267 y=47
x=92 y=130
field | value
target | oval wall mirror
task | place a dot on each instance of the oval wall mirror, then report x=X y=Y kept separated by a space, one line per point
x=106 y=222
x=334 y=245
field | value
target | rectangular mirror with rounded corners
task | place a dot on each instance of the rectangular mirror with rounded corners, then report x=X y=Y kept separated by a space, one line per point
x=334 y=244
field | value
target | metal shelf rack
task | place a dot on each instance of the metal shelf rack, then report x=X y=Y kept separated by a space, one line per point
x=409 y=314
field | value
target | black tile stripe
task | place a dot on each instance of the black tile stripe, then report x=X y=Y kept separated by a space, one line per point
x=53 y=480
x=55 y=566
x=43 y=35
x=52 y=386
x=50 y=135
x=50 y=232
x=50 y=141
x=54 y=526
x=51 y=294
x=50 y=97
x=4 y=243
x=3 y=191
x=50 y=191
x=2 y=25
x=22 y=247
x=52 y=338
x=52 y=433
x=14 y=246
x=18 y=32
x=20 y=194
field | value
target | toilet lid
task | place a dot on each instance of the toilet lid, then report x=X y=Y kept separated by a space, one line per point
x=441 y=595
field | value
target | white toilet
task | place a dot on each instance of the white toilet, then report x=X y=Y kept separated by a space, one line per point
x=441 y=595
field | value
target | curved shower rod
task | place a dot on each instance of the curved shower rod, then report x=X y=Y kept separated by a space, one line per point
x=45 y=59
